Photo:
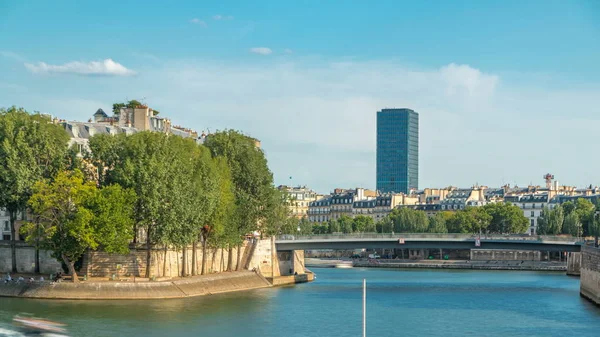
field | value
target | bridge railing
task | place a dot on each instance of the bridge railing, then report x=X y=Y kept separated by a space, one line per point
x=428 y=236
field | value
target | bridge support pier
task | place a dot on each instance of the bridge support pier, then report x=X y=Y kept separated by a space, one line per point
x=574 y=264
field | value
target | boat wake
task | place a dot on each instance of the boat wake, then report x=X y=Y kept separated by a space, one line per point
x=4 y=332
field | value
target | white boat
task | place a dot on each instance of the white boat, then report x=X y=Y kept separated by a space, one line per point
x=344 y=265
x=39 y=325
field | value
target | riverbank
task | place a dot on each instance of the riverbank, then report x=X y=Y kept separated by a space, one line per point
x=112 y=290
x=443 y=264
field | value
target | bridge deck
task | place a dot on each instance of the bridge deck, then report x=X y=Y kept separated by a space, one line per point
x=428 y=241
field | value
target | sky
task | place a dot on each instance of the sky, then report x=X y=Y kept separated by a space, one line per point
x=506 y=91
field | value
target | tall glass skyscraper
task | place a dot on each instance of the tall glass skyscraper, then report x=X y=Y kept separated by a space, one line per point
x=397 y=150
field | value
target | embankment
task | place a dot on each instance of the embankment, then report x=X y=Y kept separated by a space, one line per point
x=193 y=286
x=590 y=274
x=474 y=265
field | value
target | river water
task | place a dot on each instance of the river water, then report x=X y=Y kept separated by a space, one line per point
x=399 y=303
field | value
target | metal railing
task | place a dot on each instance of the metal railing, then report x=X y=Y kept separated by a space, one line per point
x=507 y=237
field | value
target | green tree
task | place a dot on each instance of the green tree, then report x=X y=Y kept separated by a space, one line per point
x=105 y=153
x=506 y=218
x=550 y=222
x=305 y=226
x=334 y=226
x=385 y=225
x=116 y=108
x=363 y=224
x=280 y=219
x=222 y=219
x=322 y=228
x=408 y=220
x=470 y=220
x=437 y=224
x=585 y=211
x=572 y=225
x=32 y=148
x=594 y=228
x=568 y=207
x=146 y=166
x=76 y=216
x=345 y=222
x=252 y=179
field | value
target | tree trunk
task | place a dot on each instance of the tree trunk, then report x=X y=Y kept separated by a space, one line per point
x=596 y=241
x=194 y=258
x=37 y=248
x=71 y=267
x=238 y=266
x=184 y=262
x=203 y=272
x=230 y=259
x=222 y=266
x=214 y=259
x=165 y=262
x=134 y=233
x=13 y=240
x=148 y=256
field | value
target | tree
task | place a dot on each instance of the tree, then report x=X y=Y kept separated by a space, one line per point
x=116 y=108
x=408 y=220
x=32 y=148
x=506 y=218
x=568 y=207
x=437 y=224
x=572 y=225
x=146 y=166
x=334 y=226
x=585 y=210
x=594 y=228
x=550 y=221
x=322 y=228
x=345 y=222
x=222 y=219
x=252 y=179
x=470 y=220
x=76 y=216
x=385 y=225
x=280 y=219
x=363 y=224
x=305 y=226
x=105 y=153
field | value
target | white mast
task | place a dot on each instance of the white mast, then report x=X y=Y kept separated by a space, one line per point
x=364 y=308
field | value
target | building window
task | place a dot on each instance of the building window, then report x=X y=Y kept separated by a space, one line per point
x=6 y=226
x=532 y=214
x=6 y=237
x=533 y=206
x=532 y=223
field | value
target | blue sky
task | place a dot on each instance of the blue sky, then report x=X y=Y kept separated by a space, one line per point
x=506 y=90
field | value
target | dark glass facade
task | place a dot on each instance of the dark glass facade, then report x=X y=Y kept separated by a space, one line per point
x=397 y=150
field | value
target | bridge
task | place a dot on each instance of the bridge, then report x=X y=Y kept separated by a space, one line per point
x=427 y=241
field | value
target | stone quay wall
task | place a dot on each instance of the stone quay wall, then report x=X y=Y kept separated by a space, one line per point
x=164 y=263
x=26 y=259
x=187 y=287
x=590 y=274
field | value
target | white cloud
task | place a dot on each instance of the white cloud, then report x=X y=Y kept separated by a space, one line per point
x=12 y=55
x=288 y=51
x=222 y=17
x=198 y=22
x=106 y=67
x=261 y=50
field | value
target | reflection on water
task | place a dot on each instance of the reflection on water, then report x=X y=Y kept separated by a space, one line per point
x=407 y=302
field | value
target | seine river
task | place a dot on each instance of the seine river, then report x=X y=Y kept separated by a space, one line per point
x=399 y=303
